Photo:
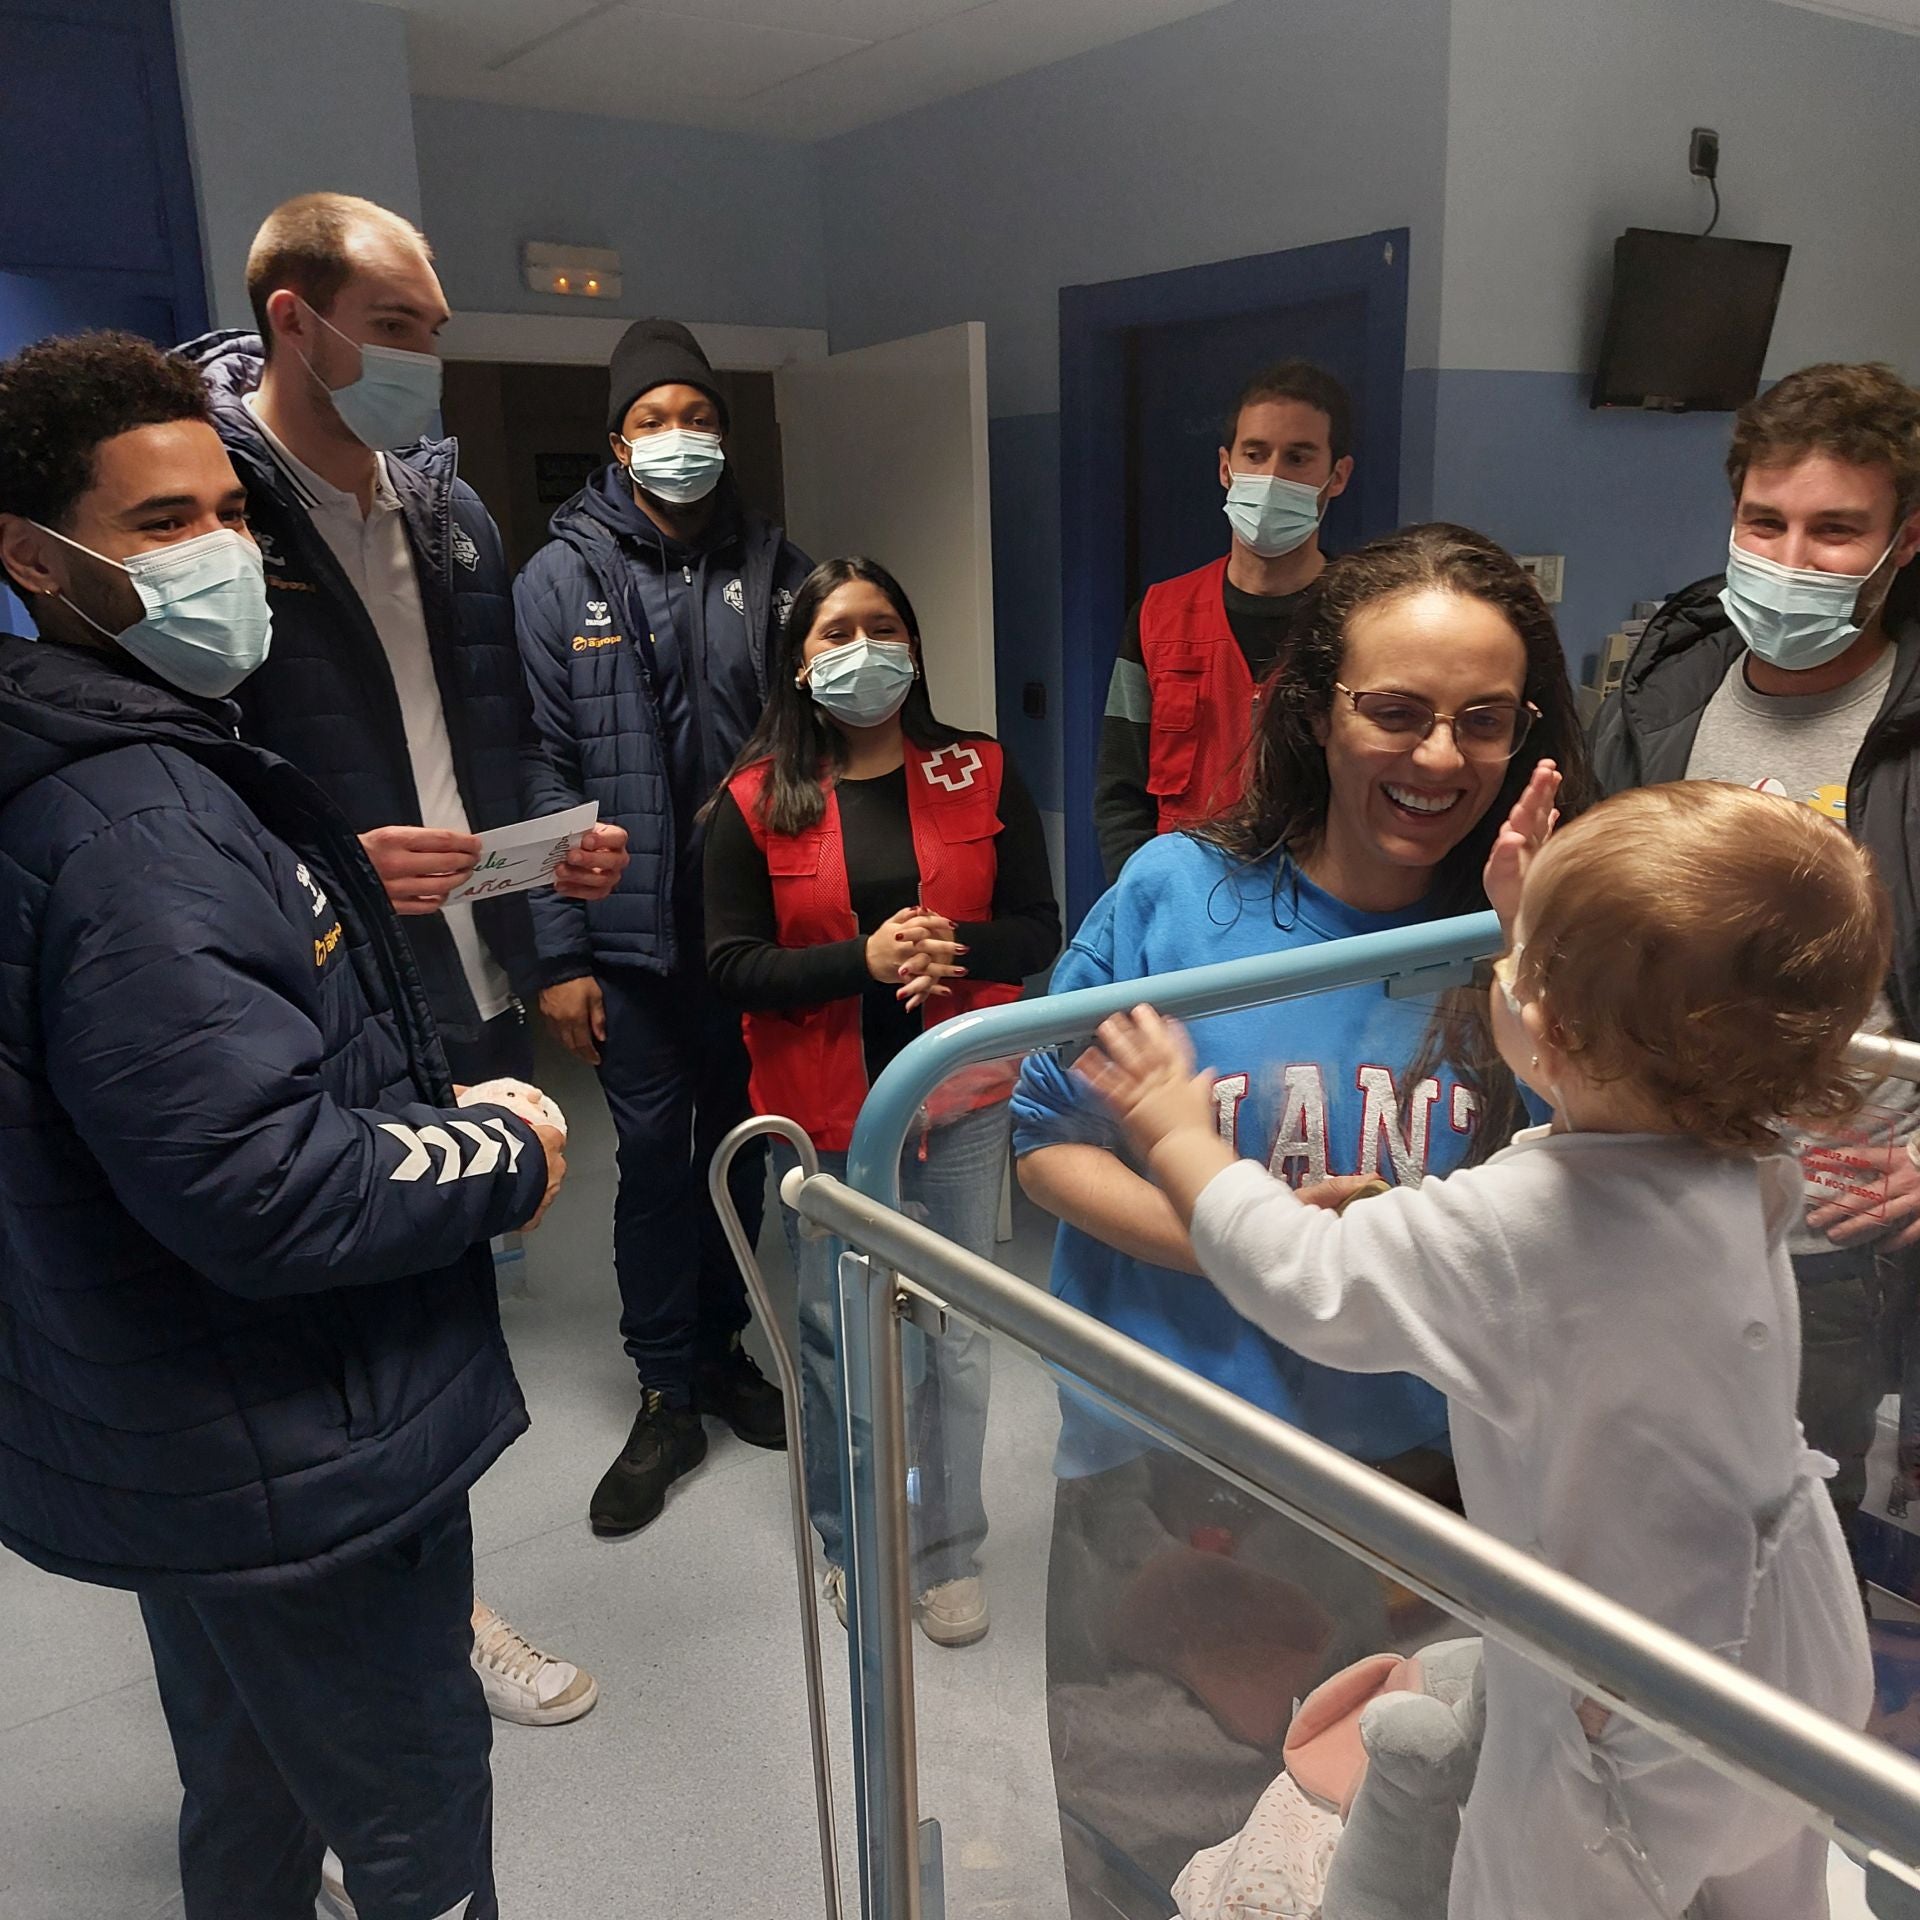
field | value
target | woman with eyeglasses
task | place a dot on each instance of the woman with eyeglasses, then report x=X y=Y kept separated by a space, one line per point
x=1422 y=683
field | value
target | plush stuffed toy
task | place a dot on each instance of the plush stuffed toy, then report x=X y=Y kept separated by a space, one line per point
x=1422 y=1744
x=1363 y=1823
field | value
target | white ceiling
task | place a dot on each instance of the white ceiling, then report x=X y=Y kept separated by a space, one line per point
x=802 y=69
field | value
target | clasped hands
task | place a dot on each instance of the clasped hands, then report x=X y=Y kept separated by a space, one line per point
x=916 y=951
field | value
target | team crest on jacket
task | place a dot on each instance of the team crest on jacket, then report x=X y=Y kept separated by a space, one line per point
x=782 y=604
x=736 y=597
x=464 y=550
x=953 y=767
x=270 y=554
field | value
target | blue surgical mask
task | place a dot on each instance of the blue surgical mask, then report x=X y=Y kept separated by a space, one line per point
x=207 y=624
x=864 y=682
x=1272 y=516
x=677 y=464
x=393 y=402
x=1795 y=618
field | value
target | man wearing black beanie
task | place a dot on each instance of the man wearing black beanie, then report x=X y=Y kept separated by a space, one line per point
x=646 y=625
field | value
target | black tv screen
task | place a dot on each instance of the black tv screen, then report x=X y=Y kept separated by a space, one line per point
x=1688 y=326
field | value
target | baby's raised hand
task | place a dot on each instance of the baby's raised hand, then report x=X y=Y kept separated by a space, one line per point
x=1143 y=1067
x=1518 y=843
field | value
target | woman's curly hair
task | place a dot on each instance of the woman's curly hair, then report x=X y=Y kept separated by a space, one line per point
x=1713 y=949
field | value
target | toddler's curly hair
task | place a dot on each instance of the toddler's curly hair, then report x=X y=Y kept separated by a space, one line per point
x=1713 y=948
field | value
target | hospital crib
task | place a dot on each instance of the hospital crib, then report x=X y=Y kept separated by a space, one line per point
x=1274 y=1555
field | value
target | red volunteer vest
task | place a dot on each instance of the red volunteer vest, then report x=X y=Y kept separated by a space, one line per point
x=1202 y=698
x=810 y=1064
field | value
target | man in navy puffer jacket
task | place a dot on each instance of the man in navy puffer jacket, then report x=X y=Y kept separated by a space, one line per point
x=395 y=682
x=250 y=1352
x=646 y=625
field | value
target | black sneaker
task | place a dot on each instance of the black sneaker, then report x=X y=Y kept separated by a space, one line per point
x=665 y=1443
x=733 y=1389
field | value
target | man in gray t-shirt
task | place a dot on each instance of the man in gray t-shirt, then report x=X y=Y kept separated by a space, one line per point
x=1799 y=674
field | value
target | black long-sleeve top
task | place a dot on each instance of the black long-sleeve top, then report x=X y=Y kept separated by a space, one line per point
x=751 y=969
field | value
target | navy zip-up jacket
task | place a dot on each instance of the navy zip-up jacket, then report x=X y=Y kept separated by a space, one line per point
x=648 y=664
x=248 y=1330
x=325 y=698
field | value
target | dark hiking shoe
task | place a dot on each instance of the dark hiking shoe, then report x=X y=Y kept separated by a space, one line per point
x=665 y=1443
x=733 y=1389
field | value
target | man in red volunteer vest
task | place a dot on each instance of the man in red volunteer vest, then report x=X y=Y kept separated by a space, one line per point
x=1180 y=704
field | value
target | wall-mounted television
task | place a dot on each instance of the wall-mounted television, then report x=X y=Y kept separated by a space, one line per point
x=1689 y=321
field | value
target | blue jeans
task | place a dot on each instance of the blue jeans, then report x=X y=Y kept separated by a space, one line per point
x=343 y=1711
x=955 y=1190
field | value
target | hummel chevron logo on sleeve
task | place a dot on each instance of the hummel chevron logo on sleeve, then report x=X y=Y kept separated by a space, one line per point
x=482 y=1134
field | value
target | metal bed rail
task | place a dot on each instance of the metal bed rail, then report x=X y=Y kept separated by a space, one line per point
x=1865 y=1793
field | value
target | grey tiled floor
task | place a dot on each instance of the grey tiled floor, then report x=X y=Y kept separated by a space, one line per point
x=688 y=1790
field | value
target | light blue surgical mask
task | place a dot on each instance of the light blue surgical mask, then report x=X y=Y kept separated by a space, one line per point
x=863 y=682
x=206 y=624
x=678 y=464
x=1271 y=516
x=1795 y=618
x=393 y=402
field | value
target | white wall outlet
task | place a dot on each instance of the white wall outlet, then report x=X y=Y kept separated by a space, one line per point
x=1549 y=572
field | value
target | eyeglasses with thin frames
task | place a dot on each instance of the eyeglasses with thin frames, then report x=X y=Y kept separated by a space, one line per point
x=1487 y=730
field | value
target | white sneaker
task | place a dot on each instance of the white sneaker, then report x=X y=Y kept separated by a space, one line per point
x=954 y=1614
x=523 y=1684
x=833 y=1589
x=334 y=1904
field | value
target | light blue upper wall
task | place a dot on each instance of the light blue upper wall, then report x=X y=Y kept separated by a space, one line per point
x=1249 y=129
x=709 y=226
x=1569 y=122
x=284 y=99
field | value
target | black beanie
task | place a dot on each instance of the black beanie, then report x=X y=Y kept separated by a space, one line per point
x=657 y=353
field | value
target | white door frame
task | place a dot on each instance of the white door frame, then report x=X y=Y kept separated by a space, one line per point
x=588 y=340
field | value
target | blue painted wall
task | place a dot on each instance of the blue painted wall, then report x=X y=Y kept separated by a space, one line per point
x=1636 y=502
x=709 y=226
x=285 y=97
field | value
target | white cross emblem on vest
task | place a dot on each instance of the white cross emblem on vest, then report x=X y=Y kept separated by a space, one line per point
x=966 y=763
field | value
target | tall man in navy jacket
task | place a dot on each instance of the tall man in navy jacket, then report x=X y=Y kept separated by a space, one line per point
x=394 y=680
x=646 y=625
x=250 y=1358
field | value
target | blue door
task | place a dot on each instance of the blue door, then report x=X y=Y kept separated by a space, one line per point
x=1148 y=369
x=1183 y=376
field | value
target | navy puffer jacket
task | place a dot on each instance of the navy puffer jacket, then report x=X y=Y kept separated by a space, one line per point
x=648 y=664
x=325 y=698
x=248 y=1329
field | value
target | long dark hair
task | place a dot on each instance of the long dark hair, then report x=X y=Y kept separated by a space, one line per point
x=1283 y=809
x=807 y=750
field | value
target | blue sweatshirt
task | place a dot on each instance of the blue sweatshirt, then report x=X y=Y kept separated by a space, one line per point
x=1309 y=1088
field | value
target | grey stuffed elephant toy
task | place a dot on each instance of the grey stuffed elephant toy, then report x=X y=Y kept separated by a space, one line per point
x=1395 y=1855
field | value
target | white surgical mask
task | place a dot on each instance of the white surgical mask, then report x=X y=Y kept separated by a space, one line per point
x=206 y=624
x=1270 y=515
x=1795 y=618
x=678 y=464
x=862 y=682
x=393 y=402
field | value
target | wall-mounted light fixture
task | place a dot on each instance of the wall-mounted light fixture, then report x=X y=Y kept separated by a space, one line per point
x=586 y=273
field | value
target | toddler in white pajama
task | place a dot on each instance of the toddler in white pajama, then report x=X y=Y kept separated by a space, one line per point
x=1609 y=1306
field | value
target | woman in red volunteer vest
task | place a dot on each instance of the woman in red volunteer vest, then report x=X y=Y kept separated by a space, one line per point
x=870 y=871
